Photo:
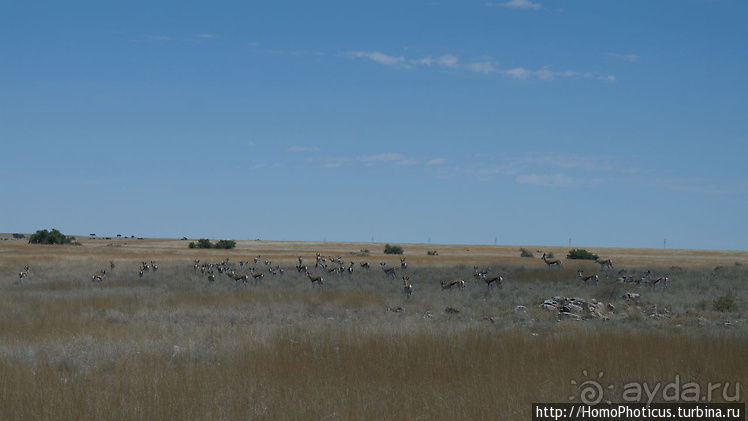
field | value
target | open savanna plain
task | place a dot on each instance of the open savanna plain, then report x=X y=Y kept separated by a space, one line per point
x=171 y=345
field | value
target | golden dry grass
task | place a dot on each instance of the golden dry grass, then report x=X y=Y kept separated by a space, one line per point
x=172 y=346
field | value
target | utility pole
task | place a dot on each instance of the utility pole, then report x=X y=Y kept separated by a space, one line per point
x=664 y=243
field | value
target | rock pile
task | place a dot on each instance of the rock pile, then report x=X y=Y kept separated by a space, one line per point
x=577 y=308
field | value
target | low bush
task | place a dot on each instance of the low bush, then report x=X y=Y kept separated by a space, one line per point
x=388 y=249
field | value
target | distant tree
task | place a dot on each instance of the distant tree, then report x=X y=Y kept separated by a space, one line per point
x=581 y=254
x=19 y=236
x=388 y=249
x=51 y=237
x=225 y=244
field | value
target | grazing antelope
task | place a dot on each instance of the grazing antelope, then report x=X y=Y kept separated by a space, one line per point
x=111 y=264
x=302 y=269
x=365 y=265
x=459 y=283
x=351 y=268
x=498 y=280
x=407 y=286
x=552 y=262
x=403 y=264
x=388 y=271
x=141 y=273
x=315 y=279
x=662 y=280
x=238 y=278
x=99 y=276
x=587 y=278
x=604 y=263
x=211 y=278
x=258 y=276
x=257 y=259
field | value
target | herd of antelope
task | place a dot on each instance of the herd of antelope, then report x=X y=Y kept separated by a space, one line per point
x=329 y=266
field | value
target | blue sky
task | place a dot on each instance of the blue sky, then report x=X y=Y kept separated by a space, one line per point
x=522 y=122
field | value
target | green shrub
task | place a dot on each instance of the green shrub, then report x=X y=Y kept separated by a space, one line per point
x=523 y=252
x=581 y=254
x=18 y=236
x=51 y=237
x=725 y=303
x=204 y=243
x=225 y=244
x=388 y=249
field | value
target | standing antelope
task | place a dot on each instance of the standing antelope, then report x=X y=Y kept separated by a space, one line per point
x=604 y=263
x=23 y=274
x=479 y=274
x=403 y=264
x=459 y=283
x=587 y=278
x=111 y=265
x=315 y=279
x=365 y=265
x=498 y=280
x=388 y=271
x=407 y=286
x=552 y=262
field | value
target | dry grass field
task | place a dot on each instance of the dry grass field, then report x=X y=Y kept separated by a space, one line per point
x=173 y=346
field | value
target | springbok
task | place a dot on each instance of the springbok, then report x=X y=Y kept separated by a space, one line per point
x=552 y=262
x=388 y=271
x=257 y=276
x=459 y=283
x=498 y=280
x=407 y=286
x=662 y=280
x=237 y=278
x=604 y=263
x=365 y=265
x=403 y=264
x=99 y=276
x=587 y=278
x=23 y=274
x=315 y=279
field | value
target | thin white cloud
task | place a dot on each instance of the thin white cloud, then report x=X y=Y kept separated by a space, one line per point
x=435 y=161
x=555 y=180
x=378 y=57
x=159 y=38
x=485 y=67
x=297 y=149
x=448 y=60
x=383 y=157
x=626 y=57
x=517 y=4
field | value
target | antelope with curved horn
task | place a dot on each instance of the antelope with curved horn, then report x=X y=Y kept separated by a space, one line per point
x=494 y=280
x=388 y=271
x=407 y=286
x=315 y=279
x=552 y=262
x=585 y=279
